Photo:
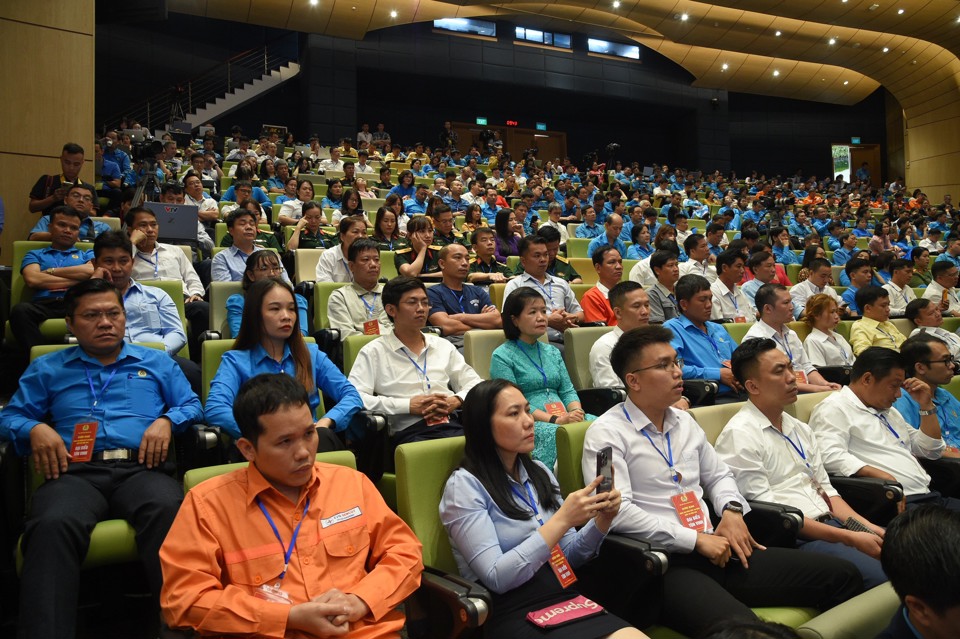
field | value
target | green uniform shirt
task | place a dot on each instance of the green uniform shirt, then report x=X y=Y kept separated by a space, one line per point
x=560 y=268
x=264 y=239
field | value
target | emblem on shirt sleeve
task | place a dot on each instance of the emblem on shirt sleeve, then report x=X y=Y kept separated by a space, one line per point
x=141 y=373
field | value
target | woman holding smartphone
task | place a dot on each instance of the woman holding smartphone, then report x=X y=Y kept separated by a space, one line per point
x=505 y=519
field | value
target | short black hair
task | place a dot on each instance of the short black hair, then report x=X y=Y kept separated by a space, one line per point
x=72 y=148
x=87 y=287
x=727 y=259
x=363 y=244
x=598 y=255
x=743 y=362
x=631 y=344
x=818 y=263
x=915 y=306
x=689 y=285
x=171 y=187
x=237 y=213
x=917 y=349
x=529 y=241
x=692 y=241
x=395 y=288
x=899 y=263
x=940 y=267
x=869 y=295
x=659 y=259
x=855 y=263
x=63 y=209
x=548 y=233
x=767 y=294
x=756 y=259
x=876 y=360
x=112 y=240
x=619 y=292
x=131 y=215
x=265 y=394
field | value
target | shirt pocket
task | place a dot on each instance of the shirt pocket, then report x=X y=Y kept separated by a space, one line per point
x=143 y=394
x=346 y=554
x=253 y=573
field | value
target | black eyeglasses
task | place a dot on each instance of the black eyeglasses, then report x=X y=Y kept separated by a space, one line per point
x=663 y=366
x=949 y=361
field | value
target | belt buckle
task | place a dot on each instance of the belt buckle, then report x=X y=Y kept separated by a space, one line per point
x=119 y=454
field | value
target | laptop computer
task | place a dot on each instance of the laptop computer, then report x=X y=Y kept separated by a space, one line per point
x=177 y=222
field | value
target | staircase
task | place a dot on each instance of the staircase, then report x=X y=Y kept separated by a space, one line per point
x=241 y=95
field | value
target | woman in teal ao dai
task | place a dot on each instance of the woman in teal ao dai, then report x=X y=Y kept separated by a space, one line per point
x=537 y=369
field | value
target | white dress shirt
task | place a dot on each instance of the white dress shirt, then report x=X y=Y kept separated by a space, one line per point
x=292 y=209
x=644 y=479
x=331 y=165
x=203 y=204
x=768 y=467
x=803 y=291
x=556 y=292
x=788 y=342
x=332 y=267
x=827 y=350
x=729 y=304
x=934 y=292
x=642 y=274
x=601 y=372
x=952 y=340
x=852 y=436
x=167 y=262
x=561 y=228
x=699 y=268
x=386 y=378
x=899 y=298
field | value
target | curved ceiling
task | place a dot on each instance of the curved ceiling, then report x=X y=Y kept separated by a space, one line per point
x=914 y=54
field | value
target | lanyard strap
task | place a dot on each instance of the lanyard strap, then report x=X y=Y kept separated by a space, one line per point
x=458 y=297
x=886 y=422
x=797 y=447
x=287 y=551
x=783 y=341
x=98 y=396
x=840 y=348
x=733 y=298
x=539 y=367
x=422 y=370
x=546 y=290
x=668 y=458
x=888 y=336
x=532 y=503
x=155 y=265
x=370 y=307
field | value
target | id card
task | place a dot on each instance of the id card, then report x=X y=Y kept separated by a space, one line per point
x=84 y=438
x=739 y=319
x=435 y=421
x=272 y=593
x=371 y=327
x=555 y=408
x=689 y=511
x=801 y=377
x=561 y=567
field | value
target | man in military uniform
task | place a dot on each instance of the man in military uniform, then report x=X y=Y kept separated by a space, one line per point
x=559 y=266
x=484 y=268
x=444 y=232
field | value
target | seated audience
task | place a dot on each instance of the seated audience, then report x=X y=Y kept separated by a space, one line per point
x=660 y=457
x=230 y=264
x=503 y=514
x=942 y=290
x=291 y=211
x=456 y=306
x=698 y=262
x=308 y=234
x=172 y=193
x=386 y=232
x=264 y=239
x=82 y=198
x=611 y=236
x=417 y=379
x=898 y=286
x=925 y=313
x=860 y=274
x=817 y=283
x=421 y=257
x=50 y=191
x=104 y=463
x=762 y=267
x=509 y=233
x=334 y=585
x=261 y=265
x=332 y=265
x=270 y=341
x=631 y=307
x=824 y=346
x=357 y=308
x=484 y=268
x=928 y=359
x=609 y=267
x=729 y=302
x=558 y=265
x=875 y=327
x=663 y=300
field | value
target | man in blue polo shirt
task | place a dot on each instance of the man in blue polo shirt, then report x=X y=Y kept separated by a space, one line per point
x=928 y=359
x=417 y=205
x=490 y=208
x=952 y=254
x=50 y=272
x=81 y=198
x=610 y=237
x=861 y=274
x=705 y=347
x=848 y=247
x=455 y=306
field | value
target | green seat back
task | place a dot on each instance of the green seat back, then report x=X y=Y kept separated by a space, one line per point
x=576 y=353
x=904 y=325
x=496 y=294
x=569 y=453
x=352 y=346
x=321 y=298
x=627 y=267
x=422 y=471
x=199 y=475
x=513 y=261
x=949 y=323
x=793 y=270
x=211 y=352
x=843 y=329
x=802 y=329
x=305 y=261
x=866 y=615
x=174 y=288
x=737 y=331
x=219 y=292
x=388 y=266
x=584 y=266
x=577 y=246
x=579 y=290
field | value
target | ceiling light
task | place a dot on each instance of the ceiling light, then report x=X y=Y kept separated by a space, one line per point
x=832 y=41
x=684 y=17
x=616 y=4
x=899 y=12
x=776 y=73
x=777 y=34
x=314 y=3
x=393 y=14
x=885 y=49
x=724 y=66
x=846 y=82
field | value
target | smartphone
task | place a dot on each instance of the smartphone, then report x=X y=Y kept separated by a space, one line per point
x=605 y=469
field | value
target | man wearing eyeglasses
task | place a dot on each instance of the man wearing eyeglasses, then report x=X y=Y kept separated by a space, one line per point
x=97 y=420
x=928 y=359
x=81 y=198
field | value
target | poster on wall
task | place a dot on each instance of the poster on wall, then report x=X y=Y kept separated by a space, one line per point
x=841 y=161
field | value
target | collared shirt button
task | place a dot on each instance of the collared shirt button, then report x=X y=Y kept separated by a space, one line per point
x=257 y=579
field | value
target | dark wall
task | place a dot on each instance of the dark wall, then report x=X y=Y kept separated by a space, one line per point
x=778 y=135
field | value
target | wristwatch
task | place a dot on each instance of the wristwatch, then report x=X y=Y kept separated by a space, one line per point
x=925 y=413
x=732 y=506
x=553 y=419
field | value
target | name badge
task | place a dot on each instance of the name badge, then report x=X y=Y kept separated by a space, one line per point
x=371 y=327
x=801 y=377
x=84 y=438
x=689 y=511
x=739 y=319
x=561 y=567
x=340 y=517
x=555 y=408
x=273 y=594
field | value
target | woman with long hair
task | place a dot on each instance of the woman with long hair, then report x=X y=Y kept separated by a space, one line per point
x=809 y=254
x=509 y=232
x=270 y=341
x=350 y=204
x=386 y=232
x=472 y=219
x=261 y=265
x=503 y=513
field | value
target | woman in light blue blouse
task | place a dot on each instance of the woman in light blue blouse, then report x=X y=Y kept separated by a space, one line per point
x=641 y=248
x=260 y=266
x=270 y=342
x=538 y=370
x=503 y=514
x=334 y=197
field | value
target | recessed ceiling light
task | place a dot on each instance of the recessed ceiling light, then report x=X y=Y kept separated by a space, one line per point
x=393 y=14
x=314 y=2
x=885 y=49
x=832 y=41
x=777 y=34
x=724 y=66
x=899 y=12
x=776 y=73
x=684 y=17
x=616 y=4
x=846 y=82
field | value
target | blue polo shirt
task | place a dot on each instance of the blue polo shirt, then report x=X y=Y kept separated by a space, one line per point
x=601 y=241
x=470 y=299
x=946 y=257
x=456 y=206
x=850 y=297
x=585 y=231
x=948 y=413
x=785 y=256
x=110 y=171
x=404 y=191
x=841 y=256
x=703 y=353
x=89 y=228
x=48 y=258
x=799 y=231
x=490 y=213
x=414 y=207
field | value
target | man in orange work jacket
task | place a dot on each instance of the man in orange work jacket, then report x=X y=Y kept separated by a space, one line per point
x=286 y=545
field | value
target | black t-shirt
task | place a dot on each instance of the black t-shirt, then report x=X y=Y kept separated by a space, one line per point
x=45 y=187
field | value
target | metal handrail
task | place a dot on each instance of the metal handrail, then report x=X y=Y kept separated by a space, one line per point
x=212 y=83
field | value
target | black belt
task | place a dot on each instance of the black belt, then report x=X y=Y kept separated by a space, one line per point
x=116 y=454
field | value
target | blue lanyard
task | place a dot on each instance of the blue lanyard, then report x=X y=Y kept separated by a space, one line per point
x=888 y=336
x=840 y=348
x=783 y=341
x=288 y=551
x=459 y=297
x=883 y=418
x=370 y=307
x=532 y=503
x=540 y=368
x=423 y=370
x=733 y=298
x=93 y=392
x=155 y=265
x=674 y=475
x=548 y=290
x=797 y=447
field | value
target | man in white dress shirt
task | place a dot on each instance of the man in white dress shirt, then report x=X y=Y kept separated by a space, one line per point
x=775 y=458
x=562 y=307
x=332 y=265
x=334 y=163
x=699 y=263
x=631 y=305
x=926 y=315
x=418 y=379
x=666 y=470
x=817 y=282
x=860 y=433
x=776 y=309
x=901 y=272
x=942 y=288
x=729 y=302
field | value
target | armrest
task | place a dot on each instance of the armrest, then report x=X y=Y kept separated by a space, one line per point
x=367 y=436
x=204 y=336
x=774 y=524
x=945 y=473
x=836 y=374
x=446 y=605
x=700 y=392
x=597 y=401
x=586 y=324
x=627 y=549
x=432 y=329
x=876 y=499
